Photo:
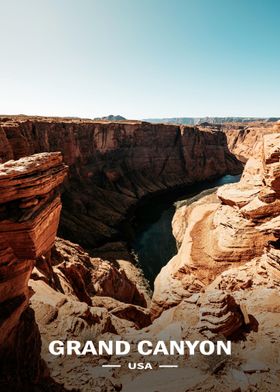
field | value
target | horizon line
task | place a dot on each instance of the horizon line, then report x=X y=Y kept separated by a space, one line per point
x=138 y=117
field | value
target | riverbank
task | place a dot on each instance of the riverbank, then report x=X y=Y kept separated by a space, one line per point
x=153 y=243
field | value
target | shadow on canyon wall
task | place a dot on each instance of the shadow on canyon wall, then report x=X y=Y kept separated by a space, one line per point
x=151 y=239
x=114 y=165
x=117 y=172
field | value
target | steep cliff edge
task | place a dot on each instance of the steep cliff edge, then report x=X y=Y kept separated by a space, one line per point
x=224 y=231
x=113 y=165
x=29 y=216
x=228 y=257
x=70 y=293
x=224 y=283
x=245 y=141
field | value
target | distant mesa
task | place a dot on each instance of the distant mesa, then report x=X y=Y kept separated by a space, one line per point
x=209 y=120
x=111 y=117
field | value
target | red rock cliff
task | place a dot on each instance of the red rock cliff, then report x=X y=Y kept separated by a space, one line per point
x=113 y=165
x=229 y=231
x=29 y=216
x=245 y=141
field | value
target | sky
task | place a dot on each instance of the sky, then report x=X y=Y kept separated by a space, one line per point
x=140 y=58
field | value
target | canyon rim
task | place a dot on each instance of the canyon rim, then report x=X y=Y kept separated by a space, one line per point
x=139 y=196
x=69 y=191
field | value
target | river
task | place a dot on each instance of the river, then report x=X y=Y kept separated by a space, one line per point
x=153 y=244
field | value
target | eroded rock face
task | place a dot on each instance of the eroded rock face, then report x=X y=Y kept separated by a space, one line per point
x=29 y=217
x=246 y=141
x=225 y=278
x=218 y=233
x=80 y=297
x=112 y=165
x=219 y=314
x=69 y=274
x=68 y=269
x=228 y=257
x=30 y=203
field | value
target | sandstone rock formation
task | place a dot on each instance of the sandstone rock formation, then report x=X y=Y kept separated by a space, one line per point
x=246 y=141
x=113 y=165
x=70 y=269
x=30 y=203
x=223 y=283
x=30 y=207
x=225 y=277
x=68 y=272
x=219 y=314
x=218 y=235
x=78 y=296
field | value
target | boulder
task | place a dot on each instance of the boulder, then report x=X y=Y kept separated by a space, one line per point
x=219 y=314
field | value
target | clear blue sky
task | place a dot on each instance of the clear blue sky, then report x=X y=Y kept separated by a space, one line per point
x=140 y=58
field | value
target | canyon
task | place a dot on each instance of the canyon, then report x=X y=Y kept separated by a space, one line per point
x=114 y=165
x=223 y=281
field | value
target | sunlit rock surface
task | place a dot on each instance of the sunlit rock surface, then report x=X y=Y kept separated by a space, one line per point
x=220 y=234
x=223 y=283
x=29 y=216
x=113 y=165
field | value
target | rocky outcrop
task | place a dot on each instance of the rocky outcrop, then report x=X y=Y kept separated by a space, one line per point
x=219 y=314
x=271 y=260
x=113 y=165
x=78 y=296
x=30 y=207
x=111 y=117
x=30 y=203
x=69 y=274
x=69 y=269
x=225 y=279
x=228 y=258
x=246 y=141
x=217 y=232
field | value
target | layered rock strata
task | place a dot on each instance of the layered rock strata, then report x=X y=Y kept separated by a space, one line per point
x=113 y=165
x=80 y=297
x=30 y=203
x=219 y=314
x=29 y=216
x=228 y=258
x=219 y=231
x=246 y=141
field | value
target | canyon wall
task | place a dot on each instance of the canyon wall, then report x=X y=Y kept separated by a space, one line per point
x=228 y=255
x=71 y=294
x=29 y=215
x=245 y=141
x=223 y=284
x=113 y=165
x=225 y=230
x=225 y=279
